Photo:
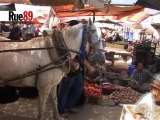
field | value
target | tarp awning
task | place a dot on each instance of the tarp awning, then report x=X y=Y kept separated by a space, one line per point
x=52 y=2
x=153 y=4
x=16 y=1
x=64 y=8
x=136 y=15
x=130 y=13
x=66 y=11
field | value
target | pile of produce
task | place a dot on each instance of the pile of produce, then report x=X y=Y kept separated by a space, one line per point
x=124 y=95
x=92 y=89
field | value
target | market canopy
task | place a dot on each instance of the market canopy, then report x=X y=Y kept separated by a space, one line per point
x=130 y=13
x=66 y=11
x=135 y=16
x=64 y=8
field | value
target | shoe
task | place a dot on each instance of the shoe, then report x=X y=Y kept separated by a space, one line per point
x=64 y=115
x=72 y=111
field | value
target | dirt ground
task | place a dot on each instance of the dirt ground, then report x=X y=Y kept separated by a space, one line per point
x=26 y=109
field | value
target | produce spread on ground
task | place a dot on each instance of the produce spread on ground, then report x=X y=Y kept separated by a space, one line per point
x=114 y=90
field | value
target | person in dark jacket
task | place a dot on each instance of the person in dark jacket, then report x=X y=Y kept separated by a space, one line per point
x=71 y=88
x=15 y=33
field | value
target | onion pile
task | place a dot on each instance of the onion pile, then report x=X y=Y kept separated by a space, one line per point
x=124 y=95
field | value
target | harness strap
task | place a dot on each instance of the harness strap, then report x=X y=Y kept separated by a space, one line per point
x=58 y=41
x=35 y=49
x=37 y=75
x=36 y=72
x=3 y=82
x=83 y=52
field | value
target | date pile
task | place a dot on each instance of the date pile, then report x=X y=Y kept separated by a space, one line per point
x=92 y=89
x=124 y=95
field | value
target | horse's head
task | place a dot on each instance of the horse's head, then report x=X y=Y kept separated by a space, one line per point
x=77 y=35
x=95 y=34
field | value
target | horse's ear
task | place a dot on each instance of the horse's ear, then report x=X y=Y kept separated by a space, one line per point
x=44 y=33
x=90 y=22
x=47 y=33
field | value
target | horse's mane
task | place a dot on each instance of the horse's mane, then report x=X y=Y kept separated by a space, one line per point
x=73 y=37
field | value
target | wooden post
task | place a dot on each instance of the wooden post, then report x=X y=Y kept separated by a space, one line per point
x=94 y=14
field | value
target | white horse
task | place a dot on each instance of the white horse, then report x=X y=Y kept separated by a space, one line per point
x=13 y=64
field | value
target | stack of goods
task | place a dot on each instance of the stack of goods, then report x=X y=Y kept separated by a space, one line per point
x=93 y=92
x=144 y=52
x=124 y=95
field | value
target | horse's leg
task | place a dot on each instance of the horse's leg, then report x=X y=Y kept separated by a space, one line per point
x=43 y=93
x=54 y=102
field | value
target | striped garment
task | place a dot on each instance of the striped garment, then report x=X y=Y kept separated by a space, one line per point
x=144 y=76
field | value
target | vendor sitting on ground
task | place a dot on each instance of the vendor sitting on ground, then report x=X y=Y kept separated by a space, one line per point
x=140 y=78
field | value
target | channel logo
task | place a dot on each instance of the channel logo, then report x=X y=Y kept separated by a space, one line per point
x=16 y=16
x=25 y=16
x=15 y=12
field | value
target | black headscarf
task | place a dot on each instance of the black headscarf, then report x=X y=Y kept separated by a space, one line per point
x=73 y=22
